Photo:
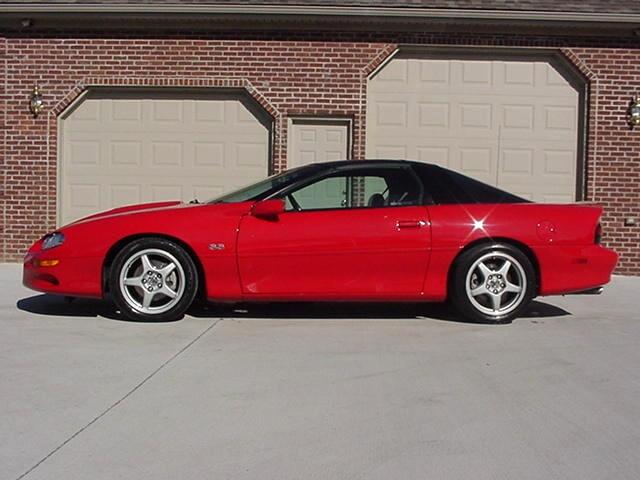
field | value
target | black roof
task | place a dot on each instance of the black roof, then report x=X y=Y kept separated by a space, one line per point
x=444 y=186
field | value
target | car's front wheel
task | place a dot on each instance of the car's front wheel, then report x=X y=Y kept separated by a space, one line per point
x=153 y=279
x=492 y=283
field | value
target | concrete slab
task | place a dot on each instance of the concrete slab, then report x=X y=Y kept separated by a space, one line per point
x=317 y=391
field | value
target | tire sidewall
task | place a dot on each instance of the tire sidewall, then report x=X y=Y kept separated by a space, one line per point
x=190 y=273
x=458 y=289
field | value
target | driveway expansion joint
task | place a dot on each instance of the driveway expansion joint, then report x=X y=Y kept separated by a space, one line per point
x=122 y=399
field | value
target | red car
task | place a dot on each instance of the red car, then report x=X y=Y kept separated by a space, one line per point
x=371 y=230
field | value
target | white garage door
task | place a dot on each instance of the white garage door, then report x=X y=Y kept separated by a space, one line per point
x=124 y=148
x=513 y=124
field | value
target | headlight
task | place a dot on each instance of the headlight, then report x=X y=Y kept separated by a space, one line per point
x=51 y=240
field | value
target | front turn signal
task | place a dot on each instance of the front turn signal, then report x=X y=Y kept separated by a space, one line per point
x=47 y=262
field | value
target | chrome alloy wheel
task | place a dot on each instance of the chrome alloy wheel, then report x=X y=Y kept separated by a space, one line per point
x=496 y=284
x=152 y=281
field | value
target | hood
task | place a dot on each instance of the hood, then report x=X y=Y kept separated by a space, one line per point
x=143 y=207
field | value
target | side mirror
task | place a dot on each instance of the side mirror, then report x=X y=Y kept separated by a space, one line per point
x=268 y=209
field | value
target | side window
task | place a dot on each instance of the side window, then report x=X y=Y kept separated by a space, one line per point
x=404 y=188
x=375 y=191
x=330 y=192
x=366 y=188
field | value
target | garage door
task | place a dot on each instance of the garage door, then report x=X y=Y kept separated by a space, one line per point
x=120 y=148
x=513 y=124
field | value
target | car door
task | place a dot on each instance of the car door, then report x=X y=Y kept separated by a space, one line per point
x=352 y=233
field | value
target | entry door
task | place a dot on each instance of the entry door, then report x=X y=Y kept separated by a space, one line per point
x=365 y=235
x=318 y=140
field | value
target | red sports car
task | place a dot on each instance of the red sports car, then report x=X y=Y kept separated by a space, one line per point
x=371 y=230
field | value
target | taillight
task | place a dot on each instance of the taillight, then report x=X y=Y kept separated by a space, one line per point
x=598 y=236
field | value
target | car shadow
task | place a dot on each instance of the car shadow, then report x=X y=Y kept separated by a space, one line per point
x=58 y=306
x=54 y=305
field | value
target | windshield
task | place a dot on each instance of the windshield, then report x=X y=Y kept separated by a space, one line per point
x=264 y=188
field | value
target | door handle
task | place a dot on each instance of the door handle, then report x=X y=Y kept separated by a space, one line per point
x=410 y=224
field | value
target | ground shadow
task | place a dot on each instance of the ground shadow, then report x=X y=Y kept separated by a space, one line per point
x=56 y=305
x=81 y=307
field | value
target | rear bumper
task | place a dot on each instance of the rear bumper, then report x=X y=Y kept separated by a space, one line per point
x=574 y=269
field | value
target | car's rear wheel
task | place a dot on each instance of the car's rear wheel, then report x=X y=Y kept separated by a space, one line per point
x=492 y=283
x=154 y=280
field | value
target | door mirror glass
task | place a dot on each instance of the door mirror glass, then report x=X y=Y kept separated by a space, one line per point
x=268 y=209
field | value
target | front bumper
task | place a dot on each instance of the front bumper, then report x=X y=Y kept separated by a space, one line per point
x=72 y=276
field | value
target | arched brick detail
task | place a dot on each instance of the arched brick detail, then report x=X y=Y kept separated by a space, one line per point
x=163 y=82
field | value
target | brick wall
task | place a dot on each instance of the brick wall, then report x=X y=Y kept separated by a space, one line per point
x=305 y=74
x=614 y=148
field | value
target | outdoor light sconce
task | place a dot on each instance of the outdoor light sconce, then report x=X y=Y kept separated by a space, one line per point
x=633 y=114
x=35 y=103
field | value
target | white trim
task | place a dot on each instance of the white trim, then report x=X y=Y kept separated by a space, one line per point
x=383 y=64
x=312 y=10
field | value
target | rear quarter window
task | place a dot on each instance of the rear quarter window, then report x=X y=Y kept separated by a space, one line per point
x=448 y=187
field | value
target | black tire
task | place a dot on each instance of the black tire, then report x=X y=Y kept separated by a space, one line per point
x=482 y=279
x=153 y=268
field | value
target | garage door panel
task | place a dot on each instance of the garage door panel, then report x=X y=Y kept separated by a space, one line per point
x=125 y=153
x=247 y=155
x=559 y=119
x=389 y=152
x=123 y=194
x=558 y=162
x=125 y=111
x=84 y=195
x=517 y=119
x=86 y=112
x=208 y=154
x=501 y=121
x=519 y=73
x=517 y=162
x=474 y=117
x=84 y=152
x=164 y=111
x=556 y=198
x=479 y=161
x=165 y=154
x=552 y=171
x=207 y=192
x=475 y=74
x=209 y=113
x=120 y=148
x=434 y=115
x=436 y=154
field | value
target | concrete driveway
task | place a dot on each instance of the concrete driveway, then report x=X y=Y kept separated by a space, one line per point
x=320 y=392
